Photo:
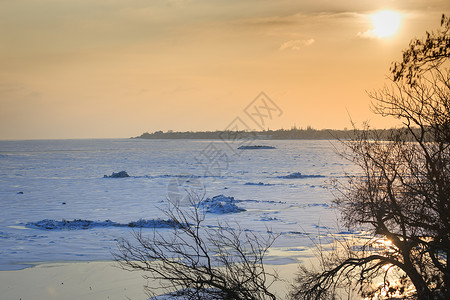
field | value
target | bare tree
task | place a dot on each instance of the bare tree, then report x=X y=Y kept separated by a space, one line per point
x=201 y=262
x=402 y=196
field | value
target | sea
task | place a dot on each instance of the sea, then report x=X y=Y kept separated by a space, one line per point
x=59 y=202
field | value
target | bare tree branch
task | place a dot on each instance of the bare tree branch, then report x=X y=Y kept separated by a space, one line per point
x=199 y=262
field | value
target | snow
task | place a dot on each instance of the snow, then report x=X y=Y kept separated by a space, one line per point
x=45 y=183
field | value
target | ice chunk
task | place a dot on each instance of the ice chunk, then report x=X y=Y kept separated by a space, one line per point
x=121 y=174
x=220 y=205
x=67 y=224
x=259 y=183
x=253 y=183
x=78 y=224
x=300 y=175
x=158 y=223
x=256 y=147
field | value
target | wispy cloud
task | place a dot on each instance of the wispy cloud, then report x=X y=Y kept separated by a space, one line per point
x=296 y=44
x=368 y=34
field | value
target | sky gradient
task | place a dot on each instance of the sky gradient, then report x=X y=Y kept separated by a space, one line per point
x=118 y=68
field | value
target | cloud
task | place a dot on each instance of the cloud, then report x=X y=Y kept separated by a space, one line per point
x=368 y=34
x=296 y=44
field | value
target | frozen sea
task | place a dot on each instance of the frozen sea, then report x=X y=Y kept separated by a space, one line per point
x=286 y=190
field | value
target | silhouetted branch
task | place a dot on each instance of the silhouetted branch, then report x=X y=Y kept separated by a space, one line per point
x=198 y=262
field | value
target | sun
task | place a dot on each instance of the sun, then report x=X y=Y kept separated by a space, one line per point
x=385 y=23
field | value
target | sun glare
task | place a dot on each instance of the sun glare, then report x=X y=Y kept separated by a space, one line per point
x=385 y=23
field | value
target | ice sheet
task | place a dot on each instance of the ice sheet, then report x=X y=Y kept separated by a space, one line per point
x=63 y=180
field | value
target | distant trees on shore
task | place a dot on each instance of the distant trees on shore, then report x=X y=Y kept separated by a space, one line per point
x=281 y=134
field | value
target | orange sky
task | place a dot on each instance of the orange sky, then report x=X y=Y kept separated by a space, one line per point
x=117 y=68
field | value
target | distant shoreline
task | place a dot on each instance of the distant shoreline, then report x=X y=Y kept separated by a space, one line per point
x=281 y=134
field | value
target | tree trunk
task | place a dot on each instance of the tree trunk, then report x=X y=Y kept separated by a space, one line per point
x=423 y=292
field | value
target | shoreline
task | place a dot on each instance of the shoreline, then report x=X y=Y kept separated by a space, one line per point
x=94 y=280
x=72 y=281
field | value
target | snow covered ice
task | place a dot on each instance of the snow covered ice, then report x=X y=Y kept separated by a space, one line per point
x=299 y=175
x=220 y=204
x=256 y=147
x=56 y=205
x=87 y=224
